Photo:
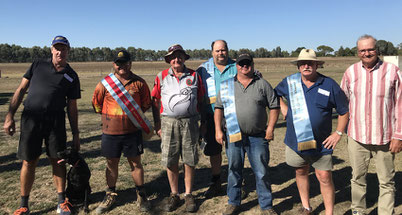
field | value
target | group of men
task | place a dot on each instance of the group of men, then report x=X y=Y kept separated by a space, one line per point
x=230 y=100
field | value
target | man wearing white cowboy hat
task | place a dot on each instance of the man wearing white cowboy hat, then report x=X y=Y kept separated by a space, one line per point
x=177 y=92
x=311 y=97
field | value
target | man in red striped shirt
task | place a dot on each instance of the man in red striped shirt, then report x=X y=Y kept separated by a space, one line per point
x=374 y=89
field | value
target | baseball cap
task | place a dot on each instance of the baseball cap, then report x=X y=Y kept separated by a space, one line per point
x=60 y=39
x=122 y=56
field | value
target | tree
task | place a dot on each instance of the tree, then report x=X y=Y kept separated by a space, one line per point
x=324 y=50
x=296 y=52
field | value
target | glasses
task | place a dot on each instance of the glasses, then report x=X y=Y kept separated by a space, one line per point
x=367 y=50
x=244 y=63
x=122 y=64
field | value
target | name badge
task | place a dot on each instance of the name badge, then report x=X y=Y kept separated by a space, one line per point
x=68 y=77
x=324 y=92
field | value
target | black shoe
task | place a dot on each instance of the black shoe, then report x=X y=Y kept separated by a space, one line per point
x=214 y=189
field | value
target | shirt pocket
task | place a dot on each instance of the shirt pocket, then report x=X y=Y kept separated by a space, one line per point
x=321 y=101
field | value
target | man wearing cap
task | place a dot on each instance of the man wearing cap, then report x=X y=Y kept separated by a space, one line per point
x=374 y=90
x=242 y=101
x=53 y=85
x=121 y=98
x=311 y=97
x=177 y=93
x=218 y=68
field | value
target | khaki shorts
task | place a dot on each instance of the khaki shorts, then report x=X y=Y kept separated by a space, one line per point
x=321 y=162
x=179 y=139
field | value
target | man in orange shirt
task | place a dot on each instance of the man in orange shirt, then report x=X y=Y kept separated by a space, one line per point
x=120 y=132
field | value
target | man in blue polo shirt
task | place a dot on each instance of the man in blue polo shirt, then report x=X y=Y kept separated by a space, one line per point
x=311 y=97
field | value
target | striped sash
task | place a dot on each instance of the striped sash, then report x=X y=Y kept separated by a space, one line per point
x=228 y=101
x=209 y=80
x=127 y=103
x=301 y=118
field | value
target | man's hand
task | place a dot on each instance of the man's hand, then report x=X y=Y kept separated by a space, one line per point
x=157 y=128
x=331 y=141
x=220 y=137
x=395 y=146
x=9 y=125
x=269 y=135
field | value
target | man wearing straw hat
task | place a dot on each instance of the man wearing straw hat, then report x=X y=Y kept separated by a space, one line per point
x=178 y=93
x=311 y=97
x=122 y=98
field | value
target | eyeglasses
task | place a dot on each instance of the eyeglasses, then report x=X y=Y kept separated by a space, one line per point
x=366 y=50
x=122 y=64
x=244 y=63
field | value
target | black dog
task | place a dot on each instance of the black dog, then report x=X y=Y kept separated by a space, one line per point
x=78 y=188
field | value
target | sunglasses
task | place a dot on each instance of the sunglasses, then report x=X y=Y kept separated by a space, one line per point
x=246 y=63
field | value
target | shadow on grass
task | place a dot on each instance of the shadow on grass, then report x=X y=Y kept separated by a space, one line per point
x=4 y=97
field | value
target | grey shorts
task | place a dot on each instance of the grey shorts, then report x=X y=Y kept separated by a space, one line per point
x=321 y=162
x=179 y=138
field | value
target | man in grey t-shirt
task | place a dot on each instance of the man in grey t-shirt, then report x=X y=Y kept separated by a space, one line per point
x=252 y=95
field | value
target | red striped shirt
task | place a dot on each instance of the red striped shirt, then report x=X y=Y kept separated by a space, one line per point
x=375 y=102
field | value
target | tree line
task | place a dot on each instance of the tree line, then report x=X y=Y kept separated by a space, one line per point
x=17 y=54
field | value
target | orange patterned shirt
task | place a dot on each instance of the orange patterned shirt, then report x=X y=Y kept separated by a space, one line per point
x=114 y=120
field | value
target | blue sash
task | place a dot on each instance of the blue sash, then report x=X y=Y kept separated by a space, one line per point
x=209 y=80
x=228 y=101
x=301 y=118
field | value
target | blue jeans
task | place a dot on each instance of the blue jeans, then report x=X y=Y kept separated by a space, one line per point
x=258 y=155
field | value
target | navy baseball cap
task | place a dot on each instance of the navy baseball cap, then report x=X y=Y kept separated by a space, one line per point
x=60 y=39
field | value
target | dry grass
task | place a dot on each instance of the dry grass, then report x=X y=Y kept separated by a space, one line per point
x=43 y=196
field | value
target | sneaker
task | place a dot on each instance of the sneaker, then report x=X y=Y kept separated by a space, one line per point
x=214 y=189
x=106 y=204
x=172 y=203
x=305 y=211
x=142 y=201
x=64 y=208
x=190 y=203
x=231 y=209
x=270 y=211
x=22 y=211
x=358 y=213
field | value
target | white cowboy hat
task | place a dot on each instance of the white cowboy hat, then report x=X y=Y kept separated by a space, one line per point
x=307 y=54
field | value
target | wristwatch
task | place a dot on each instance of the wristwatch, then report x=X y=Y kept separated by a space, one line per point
x=339 y=132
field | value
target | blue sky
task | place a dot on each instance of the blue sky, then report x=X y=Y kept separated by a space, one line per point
x=195 y=24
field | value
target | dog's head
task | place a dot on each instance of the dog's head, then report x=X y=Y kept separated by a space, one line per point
x=69 y=155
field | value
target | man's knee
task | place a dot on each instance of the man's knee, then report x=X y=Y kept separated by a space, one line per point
x=324 y=177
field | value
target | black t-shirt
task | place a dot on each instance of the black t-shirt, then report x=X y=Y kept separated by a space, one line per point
x=50 y=89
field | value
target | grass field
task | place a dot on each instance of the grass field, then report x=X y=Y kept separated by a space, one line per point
x=43 y=196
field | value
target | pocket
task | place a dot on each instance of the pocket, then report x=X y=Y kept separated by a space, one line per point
x=321 y=101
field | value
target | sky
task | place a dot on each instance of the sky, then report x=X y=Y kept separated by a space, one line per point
x=194 y=24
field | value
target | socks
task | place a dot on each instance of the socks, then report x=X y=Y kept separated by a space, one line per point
x=215 y=178
x=61 y=197
x=111 y=189
x=24 y=201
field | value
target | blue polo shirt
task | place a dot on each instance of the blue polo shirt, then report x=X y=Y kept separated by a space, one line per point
x=321 y=98
x=229 y=72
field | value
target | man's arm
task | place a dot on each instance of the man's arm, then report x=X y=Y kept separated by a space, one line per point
x=72 y=114
x=219 y=135
x=396 y=142
x=334 y=138
x=284 y=108
x=273 y=118
x=156 y=115
x=9 y=123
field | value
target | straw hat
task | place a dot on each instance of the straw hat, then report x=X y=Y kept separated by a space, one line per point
x=307 y=54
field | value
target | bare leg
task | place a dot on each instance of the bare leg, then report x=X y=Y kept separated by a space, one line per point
x=188 y=178
x=137 y=171
x=303 y=185
x=173 y=176
x=59 y=174
x=327 y=189
x=27 y=176
x=112 y=171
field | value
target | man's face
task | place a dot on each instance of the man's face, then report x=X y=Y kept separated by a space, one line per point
x=220 y=53
x=245 y=67
x=122 y=68
x=59 y=53
x=307 y=67
x=367 y=51
x=176 y=60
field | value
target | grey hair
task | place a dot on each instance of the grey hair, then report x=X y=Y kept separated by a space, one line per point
x=365 y=37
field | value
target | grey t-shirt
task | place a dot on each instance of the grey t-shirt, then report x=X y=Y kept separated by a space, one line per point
x=251 y=103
